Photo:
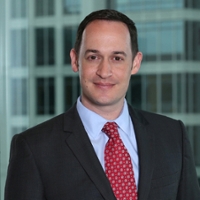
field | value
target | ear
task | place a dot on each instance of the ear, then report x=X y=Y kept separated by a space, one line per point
x=136 y=63
x=74 y=60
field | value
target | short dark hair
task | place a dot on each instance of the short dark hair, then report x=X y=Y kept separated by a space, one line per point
x=110 y=15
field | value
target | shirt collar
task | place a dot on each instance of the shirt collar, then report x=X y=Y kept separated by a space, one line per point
x=93 y=123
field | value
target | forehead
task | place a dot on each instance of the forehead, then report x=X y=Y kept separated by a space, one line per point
x=101 y=24
x=106 y=31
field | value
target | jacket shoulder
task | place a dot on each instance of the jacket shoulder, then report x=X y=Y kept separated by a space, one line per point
x=156 y=121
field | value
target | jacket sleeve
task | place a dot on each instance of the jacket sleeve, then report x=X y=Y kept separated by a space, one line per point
x=23 y=178
x=188 y=187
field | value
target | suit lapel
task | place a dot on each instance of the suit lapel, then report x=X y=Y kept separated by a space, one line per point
x=78 y=141
x=145 y=142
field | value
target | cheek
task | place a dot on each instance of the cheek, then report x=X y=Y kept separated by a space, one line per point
x=87 y=76
x=124 y=75
x=125 y=81
x=84 y=82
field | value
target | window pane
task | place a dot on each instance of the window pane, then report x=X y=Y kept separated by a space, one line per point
x=180 y=92
x=18 y=96
x=45 y=90
x=68 y=92
x=151 y=93
x=18 y=48
x=51 y=97
x=51 y=7
x=138 y=5
x=71 y=91
x=166 y=93
x=50 y=47
x=196 y=41
x=71 y=6
x=192 y=4
x=192 y=40
x=14 y=48
x=69 y=40
x=45 y=46
x=196 y=87
x=193 y=93
x=14 y=10
x=44 y=7
x=40 y=91
x=24 y=8
x=135 y=91
x=40 y=46
x=18 y=8
x=166 y=38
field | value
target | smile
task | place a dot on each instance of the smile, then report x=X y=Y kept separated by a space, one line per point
x=104 y=85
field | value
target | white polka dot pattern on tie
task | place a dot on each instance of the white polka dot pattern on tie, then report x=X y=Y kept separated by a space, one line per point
x=118 y=165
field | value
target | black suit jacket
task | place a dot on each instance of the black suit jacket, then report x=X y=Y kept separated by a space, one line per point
x=56 y=161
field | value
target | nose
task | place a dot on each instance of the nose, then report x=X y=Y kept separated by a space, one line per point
x=104 y=69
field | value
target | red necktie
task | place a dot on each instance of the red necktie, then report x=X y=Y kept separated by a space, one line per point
x=118 y=166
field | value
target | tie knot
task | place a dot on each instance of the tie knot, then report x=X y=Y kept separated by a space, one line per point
x=110 y=129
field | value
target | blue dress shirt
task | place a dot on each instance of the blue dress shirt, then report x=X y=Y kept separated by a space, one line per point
x=93 y=123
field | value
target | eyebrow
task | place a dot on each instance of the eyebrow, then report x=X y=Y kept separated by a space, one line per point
x=96 y=51
x=120 y=52
x=91 y=51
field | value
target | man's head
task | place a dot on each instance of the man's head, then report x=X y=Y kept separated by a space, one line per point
x=109 y=15
x=104 y=58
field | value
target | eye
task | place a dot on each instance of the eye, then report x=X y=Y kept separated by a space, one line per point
x=92 y=57
x=118 y=58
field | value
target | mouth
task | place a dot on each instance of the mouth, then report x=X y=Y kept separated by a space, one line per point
x=104 y=85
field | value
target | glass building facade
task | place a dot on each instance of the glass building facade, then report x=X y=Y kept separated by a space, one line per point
x=37 y=83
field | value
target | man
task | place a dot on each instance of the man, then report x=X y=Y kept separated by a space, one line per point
x=63 y=158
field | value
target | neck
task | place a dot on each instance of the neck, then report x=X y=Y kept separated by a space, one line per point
x=108 y=112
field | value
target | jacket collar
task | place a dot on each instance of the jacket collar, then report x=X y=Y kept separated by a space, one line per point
x=78 y=141
x=145 y=141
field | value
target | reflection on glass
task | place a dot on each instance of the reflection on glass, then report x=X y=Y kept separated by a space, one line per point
x=161 y=40
x=45 y=96
x=18 y=48
x=18 y=96
x=44 y=7
x=18 y=8
x=71 y=6
x=192 y=44
x=135 y=90
x=166 y=90
x=151 y=93
x=195 y=4
x=71 y=91
x=138 y=5
x=45 y=46
x=69 y=34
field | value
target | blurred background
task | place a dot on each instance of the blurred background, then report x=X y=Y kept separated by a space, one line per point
x=37 y=83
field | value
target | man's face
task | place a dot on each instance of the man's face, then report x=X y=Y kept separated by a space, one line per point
x=105 y=64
